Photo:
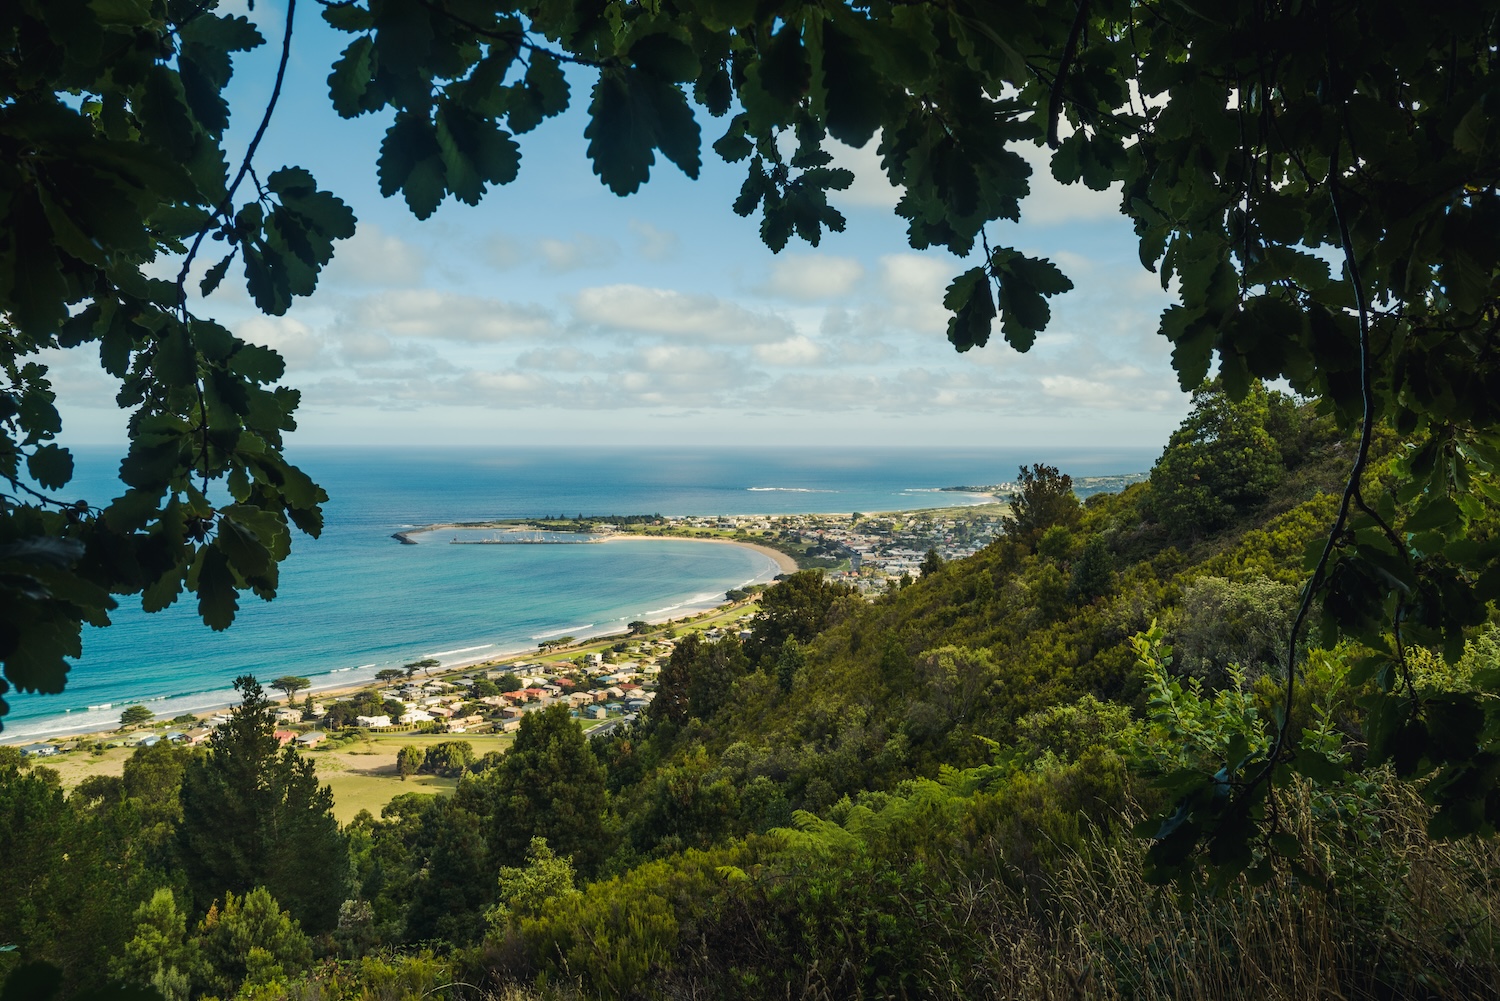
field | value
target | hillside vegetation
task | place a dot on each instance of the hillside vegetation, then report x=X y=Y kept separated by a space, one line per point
x=951 y=791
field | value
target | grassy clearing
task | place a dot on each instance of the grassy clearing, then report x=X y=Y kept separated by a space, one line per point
x=362 y=774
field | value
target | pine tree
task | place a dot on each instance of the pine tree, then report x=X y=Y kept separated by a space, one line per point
x=254 y=817
x=549 y=785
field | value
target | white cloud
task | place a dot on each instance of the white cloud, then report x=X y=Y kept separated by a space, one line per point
x=914 y=276
x=583 y=251
x=799 y=350
x=561 y=359
x=913 y=286
x=871 y=188
x=292 y=338
x=810 y=277
x=429 y=313
x=375 y=258
x=654 y=244
x=673 y=314
x=1108 y=392
x=674 y=358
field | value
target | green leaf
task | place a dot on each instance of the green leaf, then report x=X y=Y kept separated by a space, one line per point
x=163 y=592
x=227 y=33
x=620 y=133
x=856 y=93
x=164 y=114
x=1435 y=514
x=1316 y=765
x=1024 y=285
x=734 y=146
x=350 y=79
x=348 y=17
x=243 y=548
x=971 y=301
x=51 y=466
x=1192 y=344
x=784 y=72
x=676 y=130
x=411 y=162
x=217 y=598
x=261 y=364
x=545 y=80
x=215 y=275
x=666 y=57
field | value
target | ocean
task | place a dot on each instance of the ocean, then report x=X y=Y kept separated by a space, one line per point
x=355 y=600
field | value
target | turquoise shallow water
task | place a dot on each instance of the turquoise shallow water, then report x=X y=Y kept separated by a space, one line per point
x=354 y=600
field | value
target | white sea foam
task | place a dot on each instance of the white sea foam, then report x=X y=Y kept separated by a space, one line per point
x=466 y=649
x=789 y=490
x=563 y=632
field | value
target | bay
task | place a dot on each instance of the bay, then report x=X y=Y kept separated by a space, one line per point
x=354 y=600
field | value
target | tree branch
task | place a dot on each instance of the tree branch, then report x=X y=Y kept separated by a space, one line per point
x=1351 y=488
x=1055 y=102
x=227 y=204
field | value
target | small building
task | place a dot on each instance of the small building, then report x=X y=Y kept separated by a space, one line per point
x=596 y=712
x=39 y=750
x=285 y=737
x=373 y=722
x=311 y=739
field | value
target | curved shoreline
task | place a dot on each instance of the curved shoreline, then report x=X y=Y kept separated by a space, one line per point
x=325 y=687
x=785 y=562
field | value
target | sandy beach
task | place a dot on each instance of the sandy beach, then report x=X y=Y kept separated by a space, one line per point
x=785 y=562
x=325 y=687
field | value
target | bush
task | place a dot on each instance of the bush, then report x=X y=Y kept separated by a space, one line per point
x=449 y=759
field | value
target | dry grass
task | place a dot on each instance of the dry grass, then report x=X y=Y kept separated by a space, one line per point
x=1408 y=917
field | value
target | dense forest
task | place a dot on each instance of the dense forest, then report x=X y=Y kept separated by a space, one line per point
x=953 y=790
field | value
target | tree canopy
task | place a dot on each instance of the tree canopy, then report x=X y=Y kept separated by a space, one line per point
x=253 y=817
x=1315 y=182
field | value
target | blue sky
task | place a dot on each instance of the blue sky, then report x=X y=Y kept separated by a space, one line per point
x=558 y=313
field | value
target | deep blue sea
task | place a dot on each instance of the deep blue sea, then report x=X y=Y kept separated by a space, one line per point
x=355 y=600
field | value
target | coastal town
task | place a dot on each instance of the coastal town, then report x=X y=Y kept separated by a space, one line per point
x=606 y=682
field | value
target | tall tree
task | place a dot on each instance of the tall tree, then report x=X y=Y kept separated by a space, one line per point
x=548 y=785
x=289 y=685
x=798 y=606
x=672 y=695
x=1219 y=464
x=254 y=815
x=1045 y=500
